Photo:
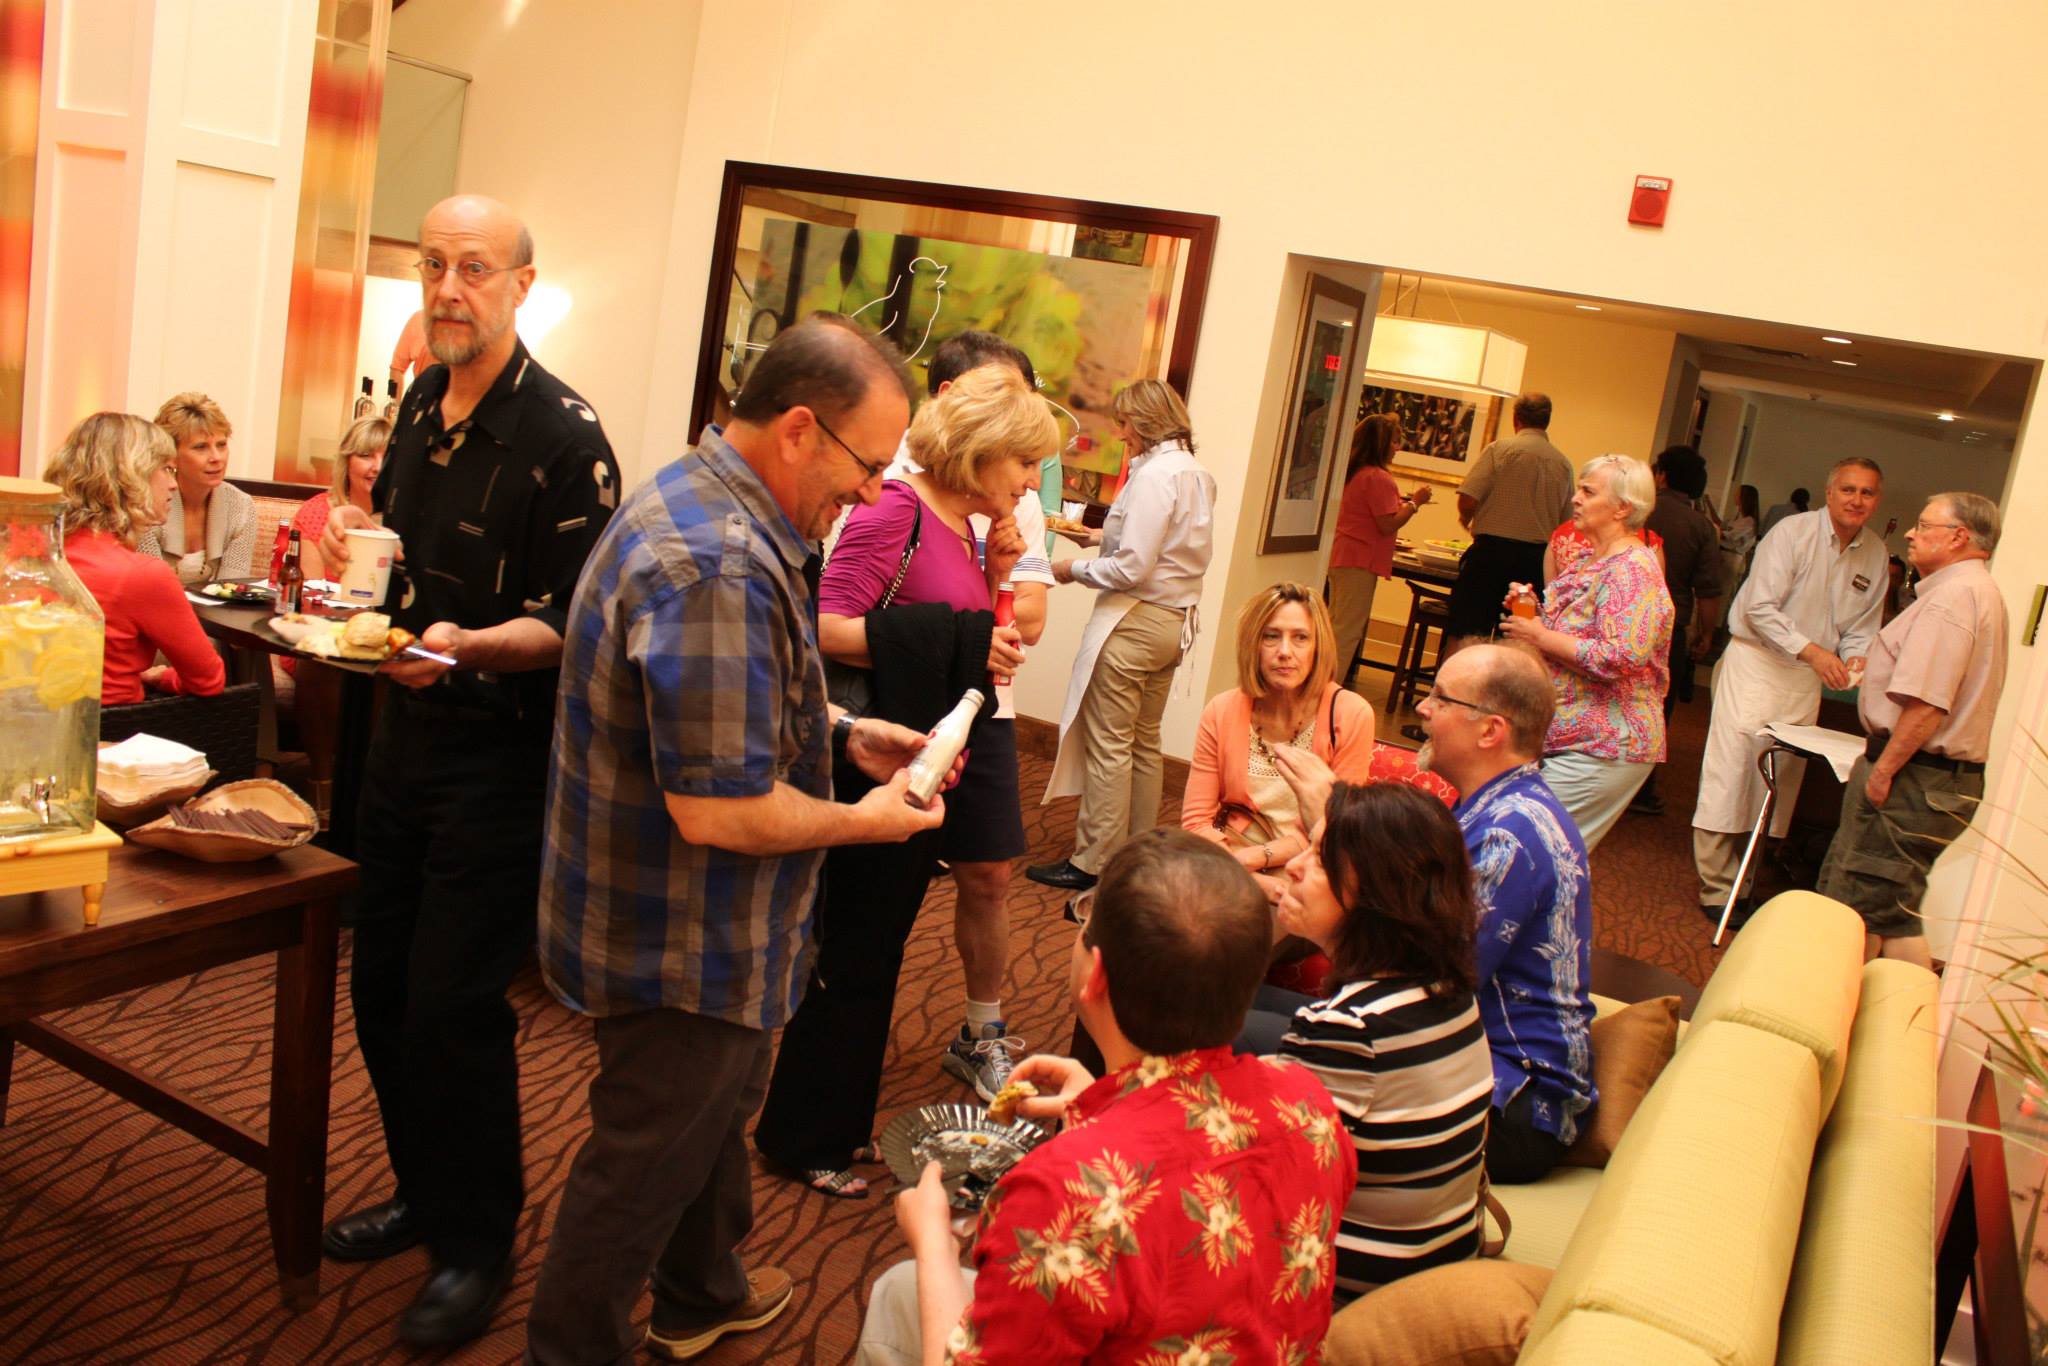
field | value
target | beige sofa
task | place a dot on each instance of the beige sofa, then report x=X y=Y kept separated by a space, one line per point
x=1773 y=1199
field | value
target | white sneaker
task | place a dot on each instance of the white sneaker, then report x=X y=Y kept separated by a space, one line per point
x=982 y=1063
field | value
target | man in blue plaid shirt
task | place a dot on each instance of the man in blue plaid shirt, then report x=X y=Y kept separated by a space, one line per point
x=690 y=808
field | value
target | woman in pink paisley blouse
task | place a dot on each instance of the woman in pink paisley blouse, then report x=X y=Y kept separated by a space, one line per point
x=1605 y=632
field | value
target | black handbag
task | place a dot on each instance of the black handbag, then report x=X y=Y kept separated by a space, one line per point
x=851 y=687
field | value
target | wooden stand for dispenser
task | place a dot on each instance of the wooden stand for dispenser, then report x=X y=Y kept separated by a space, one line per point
x=61 y=861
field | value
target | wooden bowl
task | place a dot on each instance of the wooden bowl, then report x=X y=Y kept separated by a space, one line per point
x=273 y=799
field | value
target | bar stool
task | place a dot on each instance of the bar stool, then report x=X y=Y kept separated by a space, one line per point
x=1428 y=609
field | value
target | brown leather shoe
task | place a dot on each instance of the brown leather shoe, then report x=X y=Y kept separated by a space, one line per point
x=771 y=1290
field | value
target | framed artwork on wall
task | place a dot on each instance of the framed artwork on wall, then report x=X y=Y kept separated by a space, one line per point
x=1443 y=430
x=1096 y=294
x=1314 y=434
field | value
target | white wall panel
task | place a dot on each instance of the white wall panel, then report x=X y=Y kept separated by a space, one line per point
x=236 y=54
x=95 y=52
x=81 y=327
x=220 y=239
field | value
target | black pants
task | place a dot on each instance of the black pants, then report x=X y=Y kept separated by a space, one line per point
x=1267 y=1022
x=1517 y=1151
x=661 y=1186
x=828 y=1072
x=1493 y=562
x=449 y=838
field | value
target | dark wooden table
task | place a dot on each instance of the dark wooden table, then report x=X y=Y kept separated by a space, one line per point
x=165 y=917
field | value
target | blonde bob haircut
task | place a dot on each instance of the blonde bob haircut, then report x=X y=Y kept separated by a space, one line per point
x=366 y=434
x=1629 y=483
x=192 y=414
x=1251 y=624
x=987 y=414
x=1154 y=413
x=104 y=468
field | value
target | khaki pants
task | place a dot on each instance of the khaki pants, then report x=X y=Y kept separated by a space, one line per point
x=1119 y=731
x=1351 y=594
x=1717 y=855
x=1877 y=865
x=892 y=1334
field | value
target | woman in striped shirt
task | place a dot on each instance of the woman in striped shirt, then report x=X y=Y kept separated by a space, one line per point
x=1385 y=889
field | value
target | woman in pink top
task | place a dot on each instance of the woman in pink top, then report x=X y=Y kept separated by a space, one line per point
x=1371 y=511
x=979 y=445
x=356 y=466
x=117 y=476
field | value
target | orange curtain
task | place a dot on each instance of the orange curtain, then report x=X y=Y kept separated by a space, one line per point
x=333 y=240
x=21 y=84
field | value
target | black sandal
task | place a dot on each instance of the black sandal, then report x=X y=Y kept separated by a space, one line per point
x=835 y=1182
x=867 y=1155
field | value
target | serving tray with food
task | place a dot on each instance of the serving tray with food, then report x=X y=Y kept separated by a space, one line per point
x=362 y=641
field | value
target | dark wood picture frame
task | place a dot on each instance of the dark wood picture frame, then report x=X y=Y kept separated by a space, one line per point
x=1197 y=229
x=1335 y=433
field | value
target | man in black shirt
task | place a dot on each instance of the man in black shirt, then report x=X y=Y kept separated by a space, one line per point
x=1694 y=572
x=498 y=481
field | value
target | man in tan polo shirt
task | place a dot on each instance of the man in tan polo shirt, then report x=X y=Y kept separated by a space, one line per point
x=1927 y=700
x=1519 y=489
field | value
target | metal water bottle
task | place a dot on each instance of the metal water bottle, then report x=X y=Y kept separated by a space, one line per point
x=929 y=769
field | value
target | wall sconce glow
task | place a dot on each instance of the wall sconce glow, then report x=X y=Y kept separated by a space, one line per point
x=1449 y=354
x=545 y=306
x=1587 y=308
x=1839 y=341
x=1850 y=363
x=1944 y=417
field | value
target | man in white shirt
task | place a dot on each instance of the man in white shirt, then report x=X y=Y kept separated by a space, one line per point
x=979 y=1053
x=1813 y=600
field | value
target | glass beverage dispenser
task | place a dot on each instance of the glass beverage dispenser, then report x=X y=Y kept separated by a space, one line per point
x=52 y=636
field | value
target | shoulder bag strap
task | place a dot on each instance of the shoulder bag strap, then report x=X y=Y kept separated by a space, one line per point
x=909 y=549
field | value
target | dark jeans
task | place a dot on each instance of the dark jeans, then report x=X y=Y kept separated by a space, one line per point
x=1271 y=1016
x=1478 y=597
x=1518 y=1152
x=828 y=1072
x=661 y=1186
x=449 y=843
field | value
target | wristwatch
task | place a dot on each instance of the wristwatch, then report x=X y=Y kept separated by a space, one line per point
x=842 y=733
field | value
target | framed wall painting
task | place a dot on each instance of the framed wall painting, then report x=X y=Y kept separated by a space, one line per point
x=1314 y=434
x=1443 y=430
x=1096 y=294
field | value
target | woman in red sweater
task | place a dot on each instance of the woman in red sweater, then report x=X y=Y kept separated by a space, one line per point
x=117 y=476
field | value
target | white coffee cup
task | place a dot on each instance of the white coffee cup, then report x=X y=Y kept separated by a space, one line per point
x=367 y=576
x=1072 y=508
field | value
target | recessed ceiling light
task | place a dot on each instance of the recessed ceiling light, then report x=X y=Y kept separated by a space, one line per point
x=1839 y=341
x=1850 y=363
x=1944 y=417
x=1588 y=308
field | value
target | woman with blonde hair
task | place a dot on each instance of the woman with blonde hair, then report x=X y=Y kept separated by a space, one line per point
x=1605 y=632
x=116 y=473
x=1287 y=695
x=1155 y=546
x=209 y=533
x=356 y=466
x=906 y=598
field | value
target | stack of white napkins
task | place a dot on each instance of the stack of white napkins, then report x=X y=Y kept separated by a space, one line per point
x=143 y=765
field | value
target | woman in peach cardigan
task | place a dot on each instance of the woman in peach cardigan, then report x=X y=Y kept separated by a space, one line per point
x=1236 y=794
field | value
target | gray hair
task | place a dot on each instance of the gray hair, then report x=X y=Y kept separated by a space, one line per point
x=1630 y=483
x=1855 y=462
x=1977 y=514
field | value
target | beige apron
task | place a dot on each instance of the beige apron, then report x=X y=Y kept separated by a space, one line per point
x=1067 y=768
x=1752 y=688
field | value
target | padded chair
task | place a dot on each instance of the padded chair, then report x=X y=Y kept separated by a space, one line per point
x=1429 y=609
x=276 y=504
x=223 y=727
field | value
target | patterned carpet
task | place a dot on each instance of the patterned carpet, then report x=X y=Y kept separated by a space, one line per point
x=121 y=1240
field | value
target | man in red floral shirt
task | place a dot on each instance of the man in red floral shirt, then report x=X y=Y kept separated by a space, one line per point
x=1186 y=1211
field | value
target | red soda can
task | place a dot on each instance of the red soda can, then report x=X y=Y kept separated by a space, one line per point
x=1006 y=610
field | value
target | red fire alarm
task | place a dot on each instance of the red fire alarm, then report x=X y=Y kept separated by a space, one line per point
x=1651 y=197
